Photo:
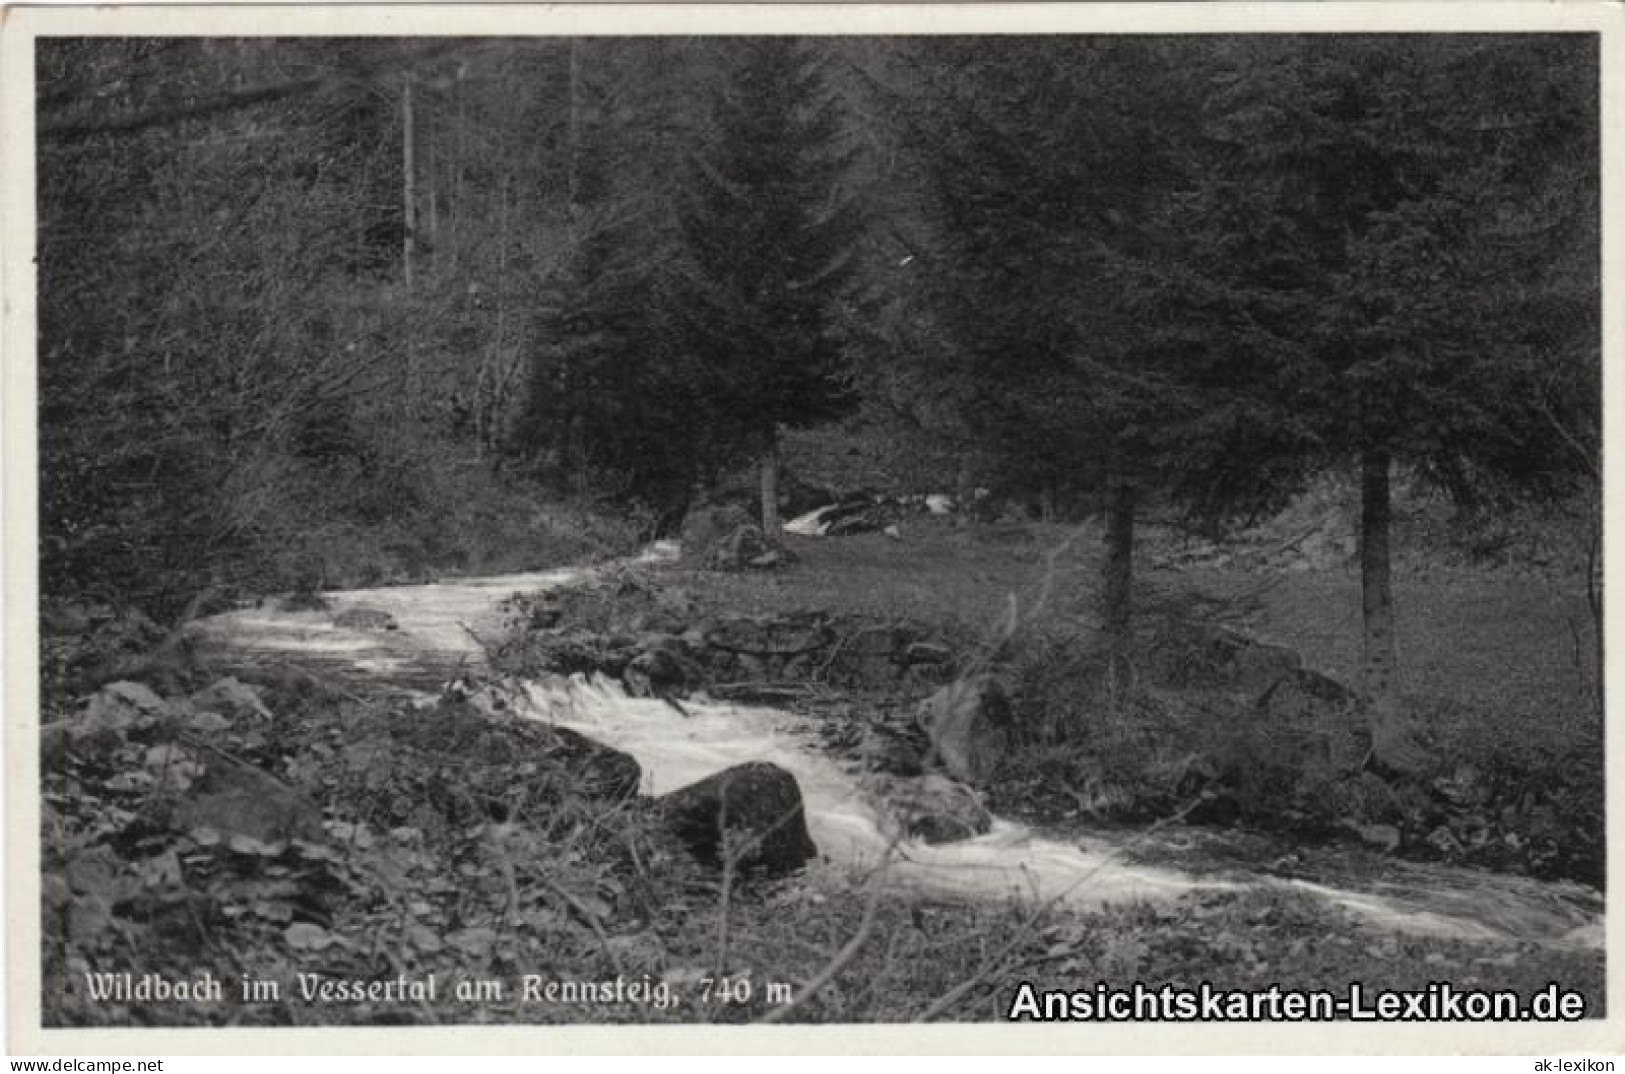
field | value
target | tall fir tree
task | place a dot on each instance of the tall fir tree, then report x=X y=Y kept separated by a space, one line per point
x=770 y=229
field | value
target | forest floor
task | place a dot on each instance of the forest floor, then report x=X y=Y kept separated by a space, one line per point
x=411 y=876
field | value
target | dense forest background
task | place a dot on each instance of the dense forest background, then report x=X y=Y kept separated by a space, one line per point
x=327 y=310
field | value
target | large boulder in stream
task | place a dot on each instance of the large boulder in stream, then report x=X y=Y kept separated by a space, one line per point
x=752 y=812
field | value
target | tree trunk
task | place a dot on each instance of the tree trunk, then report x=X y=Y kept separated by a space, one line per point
x=770 y=485
x=1117 y=598
x=1391 y=745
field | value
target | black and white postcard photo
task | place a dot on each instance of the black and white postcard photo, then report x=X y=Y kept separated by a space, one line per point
x=1069 y=529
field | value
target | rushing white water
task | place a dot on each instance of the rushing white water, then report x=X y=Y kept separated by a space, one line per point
x=441 y=626
x=438 y=625
x=677 y=748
